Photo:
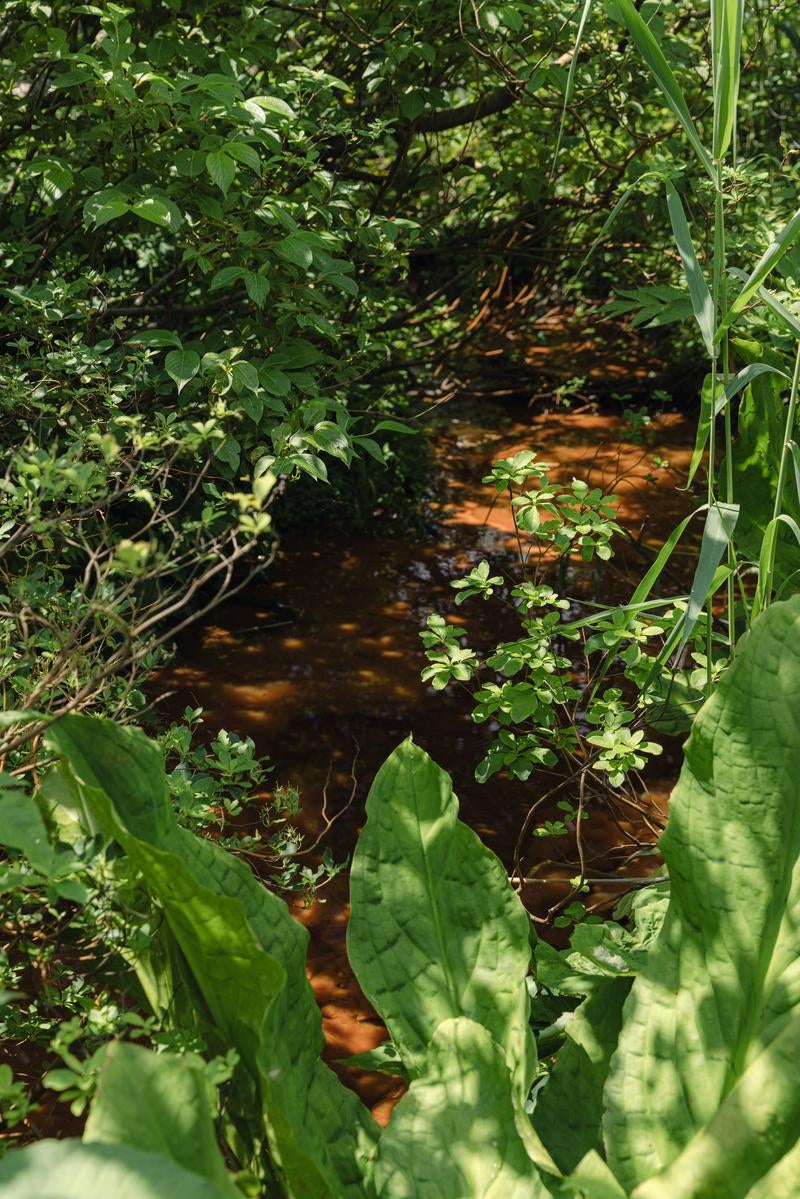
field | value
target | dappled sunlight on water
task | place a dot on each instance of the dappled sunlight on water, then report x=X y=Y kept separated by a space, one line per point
x=320 y=664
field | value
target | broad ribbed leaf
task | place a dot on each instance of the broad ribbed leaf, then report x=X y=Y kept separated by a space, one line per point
x=569 y=1110
x=781 y=1181
x=755 y=1126
x=458 y=1133
x=73 y=1170
x=712 y=1020
x=160 y=1103
x=591 y=1180
x=436 y=930
x=246 y=953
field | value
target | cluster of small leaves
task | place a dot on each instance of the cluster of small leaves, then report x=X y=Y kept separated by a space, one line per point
x=15 y=1102
x=581 y=517
x=568 y=694
x=447 y=660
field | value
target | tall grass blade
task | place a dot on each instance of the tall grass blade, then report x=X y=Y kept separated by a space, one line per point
x=612 y=216
x=743 y=378
x=702 y=304
x=726 y=24
x=708 y=403
x=794 y=450
x=766 y=559
x=676 y=640
x=719 y=526
x=570 y=88
x=665 y=553
x=653 y=55
x=763 y=268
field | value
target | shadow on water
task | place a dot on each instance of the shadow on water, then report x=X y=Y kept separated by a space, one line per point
x=321 y=663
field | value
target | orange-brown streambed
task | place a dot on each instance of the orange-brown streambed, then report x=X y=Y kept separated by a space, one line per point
x=320 y=663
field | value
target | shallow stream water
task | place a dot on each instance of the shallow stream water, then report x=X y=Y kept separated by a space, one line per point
x=320 y=664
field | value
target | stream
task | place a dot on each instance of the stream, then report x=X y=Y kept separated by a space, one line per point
x=320 y=663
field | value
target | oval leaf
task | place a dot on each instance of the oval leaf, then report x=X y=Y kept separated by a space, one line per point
x=427 y=944
x=182 y=366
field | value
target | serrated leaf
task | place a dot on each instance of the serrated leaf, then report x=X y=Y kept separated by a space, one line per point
x=275 y=381
x=425 y=944
x=229 y=451
x=253 y=406
x=190 y=163
x=182 y=366
x=245 y=376
x=294 y=355
x=393 y=426
x=294 y=248
x=344 y=283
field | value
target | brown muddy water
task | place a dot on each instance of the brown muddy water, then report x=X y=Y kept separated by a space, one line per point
x=320 y=664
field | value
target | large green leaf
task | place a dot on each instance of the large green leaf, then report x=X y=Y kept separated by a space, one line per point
x=781 y=1181
x=712 y=1021
x=246 y=953
x=73 y=1170
x=754 y=1127
x=160 y=1103
x=591 y=1180
x=458 y=1133
x=436 y=930
x=569 y=1110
